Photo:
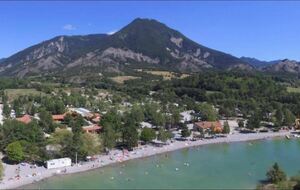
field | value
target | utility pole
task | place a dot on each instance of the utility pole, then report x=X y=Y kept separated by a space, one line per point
x=76 y=158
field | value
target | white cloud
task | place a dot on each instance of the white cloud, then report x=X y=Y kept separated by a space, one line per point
x=112 y=32
x=69 y=27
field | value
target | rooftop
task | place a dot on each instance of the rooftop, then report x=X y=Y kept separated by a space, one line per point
x=24 y=119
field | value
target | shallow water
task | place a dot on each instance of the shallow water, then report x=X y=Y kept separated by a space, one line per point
x=234 y=165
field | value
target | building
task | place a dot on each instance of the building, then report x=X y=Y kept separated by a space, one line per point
x=207 y=126
x=186 y=116
x=83 y=112
x=94 y=128
x=58 y=163
x=25 y=119
x=58 y=118
x=96 y=118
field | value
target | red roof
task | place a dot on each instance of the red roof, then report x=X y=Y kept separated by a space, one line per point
x=92 y=128
x=208 y=124
x=24 y=119
x=58 y=117
x=96 y=119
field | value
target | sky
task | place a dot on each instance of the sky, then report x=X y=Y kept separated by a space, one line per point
x=265 y=30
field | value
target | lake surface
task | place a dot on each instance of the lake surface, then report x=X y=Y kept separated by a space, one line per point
x=235 y=165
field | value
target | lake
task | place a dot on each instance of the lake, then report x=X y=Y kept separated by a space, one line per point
x=235 y=165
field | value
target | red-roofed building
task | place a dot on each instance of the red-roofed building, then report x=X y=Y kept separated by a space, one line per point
x=59 y=117
x=92 y=128
x=209 y=125
x=96 y=118
x=24 y=119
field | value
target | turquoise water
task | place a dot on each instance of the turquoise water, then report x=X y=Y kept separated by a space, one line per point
x=235 y=165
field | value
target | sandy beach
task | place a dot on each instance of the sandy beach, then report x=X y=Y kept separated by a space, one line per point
x=30 y=174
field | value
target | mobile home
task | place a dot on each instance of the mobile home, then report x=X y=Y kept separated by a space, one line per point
x=58 y=163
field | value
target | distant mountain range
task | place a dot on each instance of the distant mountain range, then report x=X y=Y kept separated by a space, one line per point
x=258 y=64
x=1 y=60
x=143 y=43
x=282 y=66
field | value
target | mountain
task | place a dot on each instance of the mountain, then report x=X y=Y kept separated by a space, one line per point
x=284 y=66
x=2 y=60
x=258 y=63
x=144 y=43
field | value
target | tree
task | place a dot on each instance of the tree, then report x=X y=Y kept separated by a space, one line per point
x=158 y=119
x=137 y=114
x=289 y=117
x=59 y=107
x=14 y=152
x=275 y=174
x=226 y=128
x=46 y=122
x=6 y=109
x=163 y=135
x=77 y=124
x=68 y=119
x=279 y=117
x=254 y=121
x=207 y=112
x=17 y=107
x=130 y=134
x=112 y=127
x=13 y=130
x=147 y=135
x=241 y=123
x=175 y=118
x=109 y=137
x=185 y=132
x=91 y=143
x=32 y=152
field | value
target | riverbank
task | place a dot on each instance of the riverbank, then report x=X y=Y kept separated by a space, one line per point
x=117 y=156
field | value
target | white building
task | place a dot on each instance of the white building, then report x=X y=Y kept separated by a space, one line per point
x=58 y=163
x=186 y=116
x=82 y=111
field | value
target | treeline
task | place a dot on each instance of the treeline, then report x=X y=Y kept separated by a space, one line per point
x=253 y=95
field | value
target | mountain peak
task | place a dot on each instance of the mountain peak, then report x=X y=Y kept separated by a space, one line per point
x=142 y=43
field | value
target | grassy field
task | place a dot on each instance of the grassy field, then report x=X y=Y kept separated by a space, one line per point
x=167 y=75
x=292 y=89
x=14 y=93
x=122 y=79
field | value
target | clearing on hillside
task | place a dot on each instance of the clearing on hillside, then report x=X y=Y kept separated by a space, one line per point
x=167 y=75
x=15 y=93
x=122 y=79
x=292 y=89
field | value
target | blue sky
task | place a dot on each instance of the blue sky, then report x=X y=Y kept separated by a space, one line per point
x=265 y=30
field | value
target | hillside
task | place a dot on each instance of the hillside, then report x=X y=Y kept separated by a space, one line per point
x=284 y=66
x=258 y=64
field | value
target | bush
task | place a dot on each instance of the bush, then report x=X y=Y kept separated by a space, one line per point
x=14 y=152
x=147 y=135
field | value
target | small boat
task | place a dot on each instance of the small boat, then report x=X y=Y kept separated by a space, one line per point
x=287 y=136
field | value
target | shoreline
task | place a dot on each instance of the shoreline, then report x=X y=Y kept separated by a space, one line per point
x=117 y=157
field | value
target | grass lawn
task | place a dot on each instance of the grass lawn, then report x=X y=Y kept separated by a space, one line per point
x=122 y=79
x=15 y=93
x=292 y=89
